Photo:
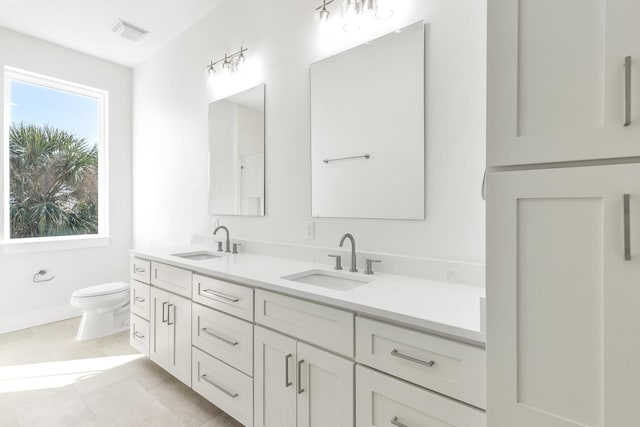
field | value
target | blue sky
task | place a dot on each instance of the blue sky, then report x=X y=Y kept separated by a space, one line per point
x=41 y=105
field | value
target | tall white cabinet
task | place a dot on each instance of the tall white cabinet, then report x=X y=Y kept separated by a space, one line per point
x=563 y=235
x=558 y=82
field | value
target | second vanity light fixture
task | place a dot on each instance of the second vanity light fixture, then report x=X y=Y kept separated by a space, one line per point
x=230 y=64
x=352 y=13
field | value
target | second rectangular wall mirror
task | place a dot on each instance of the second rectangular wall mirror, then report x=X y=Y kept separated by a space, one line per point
x=236 y=154
x=367 y=129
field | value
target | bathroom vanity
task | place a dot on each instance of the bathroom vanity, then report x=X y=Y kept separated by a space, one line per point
x=277 y=342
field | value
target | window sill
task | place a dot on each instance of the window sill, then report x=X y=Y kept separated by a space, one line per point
x=46 y=244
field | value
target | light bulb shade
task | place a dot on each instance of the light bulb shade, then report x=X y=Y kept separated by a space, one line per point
x=324 y=15
x=368 y=6
x=351 y=9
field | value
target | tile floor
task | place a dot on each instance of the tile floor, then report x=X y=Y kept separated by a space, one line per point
x=49 y=379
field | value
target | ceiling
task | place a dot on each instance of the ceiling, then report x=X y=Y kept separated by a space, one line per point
x=85 y=25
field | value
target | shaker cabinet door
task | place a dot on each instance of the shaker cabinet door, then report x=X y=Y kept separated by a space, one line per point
x=559 y=85
x=563 y=297
x=159 y=333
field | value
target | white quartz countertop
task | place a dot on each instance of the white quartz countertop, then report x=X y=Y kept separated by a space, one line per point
x=443 y=308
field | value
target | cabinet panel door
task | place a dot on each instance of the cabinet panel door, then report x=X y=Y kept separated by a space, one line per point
x=563 y=305
x=382 y=400
x=325 y=389
x=159 y=334
x=274 y=379
x=179 y=322
x=556 y=80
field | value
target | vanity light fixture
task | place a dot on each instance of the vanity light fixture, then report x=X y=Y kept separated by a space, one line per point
x=322 y=18
x=353 y=12
x=230 y=63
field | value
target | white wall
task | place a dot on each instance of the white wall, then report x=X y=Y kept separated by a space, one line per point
x=23 y=303
x=170 y=128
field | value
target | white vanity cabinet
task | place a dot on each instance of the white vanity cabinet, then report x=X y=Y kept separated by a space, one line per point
x=170 y=333
x=563 y=268
x=558 y=86
x=300 y=385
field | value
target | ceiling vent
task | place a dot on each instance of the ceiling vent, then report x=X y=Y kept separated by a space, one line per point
x=128 y=31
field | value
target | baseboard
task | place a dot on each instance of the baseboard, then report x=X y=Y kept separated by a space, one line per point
x=37 y=318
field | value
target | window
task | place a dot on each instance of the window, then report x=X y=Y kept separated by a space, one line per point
x=54 y=159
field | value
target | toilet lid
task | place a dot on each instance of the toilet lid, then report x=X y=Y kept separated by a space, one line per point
x=103 y=289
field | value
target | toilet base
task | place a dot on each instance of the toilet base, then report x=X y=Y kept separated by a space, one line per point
x=97 y=325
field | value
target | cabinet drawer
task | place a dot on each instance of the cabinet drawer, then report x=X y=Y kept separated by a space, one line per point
x=225 y=337
x=139 y=299
x=224 y=296
x=225 y=387
x=139 y=334
x=384 y=401
x=172 y=279
x=327 y=327
x=448 y=367
x=140 y=270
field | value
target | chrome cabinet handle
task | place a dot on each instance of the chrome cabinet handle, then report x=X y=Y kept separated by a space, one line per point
x=397 y=423
x=169 y=314
x=219 y=387
x=221 y=295
x=139 y=269
x=138 y=335
x=627 y=228
x=139 y=299
x=220 y=337
x=627 y=91
x=164 y=305
x=287 y=383
x=428 y=364
x=300 y=389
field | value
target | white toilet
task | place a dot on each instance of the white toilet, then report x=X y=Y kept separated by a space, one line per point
x=105 y=309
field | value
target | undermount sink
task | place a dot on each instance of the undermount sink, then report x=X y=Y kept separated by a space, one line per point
x=329 y=279
x=198 y=255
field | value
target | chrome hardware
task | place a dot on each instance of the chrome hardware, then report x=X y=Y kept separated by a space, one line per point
x=227 y=242
x=220 y=246
x=300 y=389
x=338 y=265
x=287 y=383
x=42 y=273
x=169 y=314
x=220 y=337
x=164 y=305
x=627 y=228
x=627 y=91
x=235 y=247
x=369 y=265
x=483 y=190
x=139 y=269
x=428 y=364
x=397 y=423
x=138 y=335
x=364 y=156
x=140 y=299
x=353 y=268
x=220 y=295
x=222 y=389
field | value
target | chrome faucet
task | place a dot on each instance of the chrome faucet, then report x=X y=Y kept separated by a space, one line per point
x=353 y=268
x=227 y=242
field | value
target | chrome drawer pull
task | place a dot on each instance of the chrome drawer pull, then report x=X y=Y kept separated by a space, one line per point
x=397 y=423
x=220 y=337
x=627 y=91
x=139 y=299
x=627 y=228
x=139 y=269
x=138 y=335
x=222 y=389
x=300 y=389
x=287 y=383
x=219 y=295
x=428 y=364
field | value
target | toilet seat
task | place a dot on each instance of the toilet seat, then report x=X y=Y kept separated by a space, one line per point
x=100 y=290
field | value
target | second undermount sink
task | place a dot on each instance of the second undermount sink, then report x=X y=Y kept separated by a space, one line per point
x=197 y=255
x=329 y=279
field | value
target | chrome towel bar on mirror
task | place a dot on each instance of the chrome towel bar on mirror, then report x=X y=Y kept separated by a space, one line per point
x=364 y=156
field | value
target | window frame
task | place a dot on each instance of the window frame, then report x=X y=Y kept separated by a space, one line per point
x=30 y=244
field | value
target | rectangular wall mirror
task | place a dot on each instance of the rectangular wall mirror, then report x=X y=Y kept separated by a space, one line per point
x=367 y=129
x=236 y=154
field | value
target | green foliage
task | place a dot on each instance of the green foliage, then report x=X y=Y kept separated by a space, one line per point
x=53 y=183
